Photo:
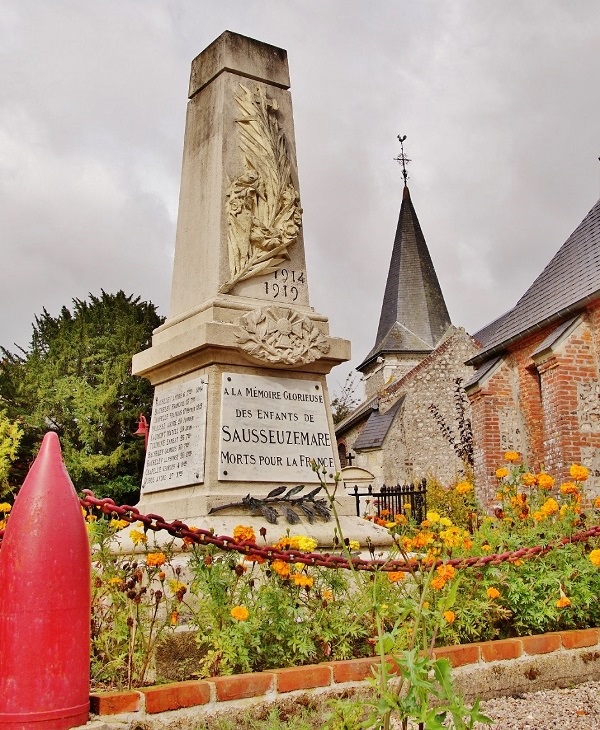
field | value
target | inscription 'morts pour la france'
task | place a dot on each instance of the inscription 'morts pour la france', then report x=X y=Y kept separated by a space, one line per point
x=271 y=429
x=177 y=443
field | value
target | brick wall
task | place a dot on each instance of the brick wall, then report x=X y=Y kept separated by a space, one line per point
x=546 y=405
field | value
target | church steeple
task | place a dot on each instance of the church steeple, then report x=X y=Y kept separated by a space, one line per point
x=414 y=317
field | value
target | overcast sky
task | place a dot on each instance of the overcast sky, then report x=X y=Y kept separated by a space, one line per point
x=500 y=100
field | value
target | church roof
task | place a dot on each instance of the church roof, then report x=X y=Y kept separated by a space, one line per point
x=413 y=316
x=569 y=281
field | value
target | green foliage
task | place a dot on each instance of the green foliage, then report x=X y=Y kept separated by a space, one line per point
x=75 y=378
x=450 y=503
x=10 y=437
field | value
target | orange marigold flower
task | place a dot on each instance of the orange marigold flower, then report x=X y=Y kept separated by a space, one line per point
x=384 y=513
x=242 y=533
x=438 y=583
x=155 y=559
x=511 y=456
x=239 y=613
x=282 y=569
x=579 y=473
x=450 y=616
x=597 y=503
x=400 y=519
x=422 y=539
x=550 y=507
x=174 y=618
x=463 y=487
x=255 y=559
x=569 y=488
x=304 y=581
x=327 y=595
x=486 y=548
x=493 y=593
x=395 y=575
x=447 y=572
x=564 y=600
x=594 y=557
x=467 y=543
x=501 y=472
x=529 y=479
x=545 y=481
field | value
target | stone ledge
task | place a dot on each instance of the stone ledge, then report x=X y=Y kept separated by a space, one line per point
x=485 y=669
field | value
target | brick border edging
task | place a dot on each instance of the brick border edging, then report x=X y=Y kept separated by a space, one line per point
x=274 y=682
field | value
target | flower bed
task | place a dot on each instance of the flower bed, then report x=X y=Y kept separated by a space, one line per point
x=487 y=669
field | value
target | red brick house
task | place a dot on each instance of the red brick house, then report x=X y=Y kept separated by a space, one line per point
x=537 y=386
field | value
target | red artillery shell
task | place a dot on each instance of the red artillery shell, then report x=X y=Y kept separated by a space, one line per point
x=45 y=602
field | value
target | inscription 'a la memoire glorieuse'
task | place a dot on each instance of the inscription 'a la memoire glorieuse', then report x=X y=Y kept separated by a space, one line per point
x=264 y=215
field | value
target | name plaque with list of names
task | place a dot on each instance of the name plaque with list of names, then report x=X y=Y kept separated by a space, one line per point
x=272 y=428
x=177 y=442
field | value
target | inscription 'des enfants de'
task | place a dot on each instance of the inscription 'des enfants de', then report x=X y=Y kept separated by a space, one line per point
x=176 y=446
x=272 y=428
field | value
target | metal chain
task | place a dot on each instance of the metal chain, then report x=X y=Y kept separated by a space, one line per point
x=323 y=560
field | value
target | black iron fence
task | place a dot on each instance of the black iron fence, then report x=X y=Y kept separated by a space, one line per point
x=403 y=499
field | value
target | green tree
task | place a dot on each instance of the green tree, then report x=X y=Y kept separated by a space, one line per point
x=75 y=378
x=345 y=400
x=10 y=437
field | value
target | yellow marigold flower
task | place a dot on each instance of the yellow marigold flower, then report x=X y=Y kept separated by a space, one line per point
x=579 y=473
x=242 y=533
x=438 y=583
x=407 y=506
x=390 y=524
x=463 y=487
x=486 y=548
x=493 y=593
x=449 y=616
x=4 y=522
x=501 y=472
x=569 y=488
x=395 y=575
x=433 y=517
x=511 y=456
x=327 y=595
x=529 y=479
x=538 y=516
x=550 y=507
x=297 y=542
x=354 y=545
x=137 y=536
x=282 y=569
x=426 y=604
x=545 y=481
x=445 y=522
x=91 y=518
x=176 y=585
x=594 y=557
x=6 y=507
x=239 y=613
x=564 y=510
x=447 y=572
x=116 y=581
x=155 y=559
x=118 y=524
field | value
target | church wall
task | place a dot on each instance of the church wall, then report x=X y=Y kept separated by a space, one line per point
x=415 y=447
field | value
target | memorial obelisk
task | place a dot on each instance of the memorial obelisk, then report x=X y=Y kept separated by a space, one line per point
x=241 y=403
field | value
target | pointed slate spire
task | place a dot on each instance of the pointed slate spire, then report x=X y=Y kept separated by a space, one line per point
x=414 y=317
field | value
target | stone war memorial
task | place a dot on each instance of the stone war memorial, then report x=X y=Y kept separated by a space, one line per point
x=241 y=405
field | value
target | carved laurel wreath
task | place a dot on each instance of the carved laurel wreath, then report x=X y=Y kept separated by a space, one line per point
x=280 y=335
x=264 y=215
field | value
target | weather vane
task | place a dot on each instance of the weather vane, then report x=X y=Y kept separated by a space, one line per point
x=402 y=158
